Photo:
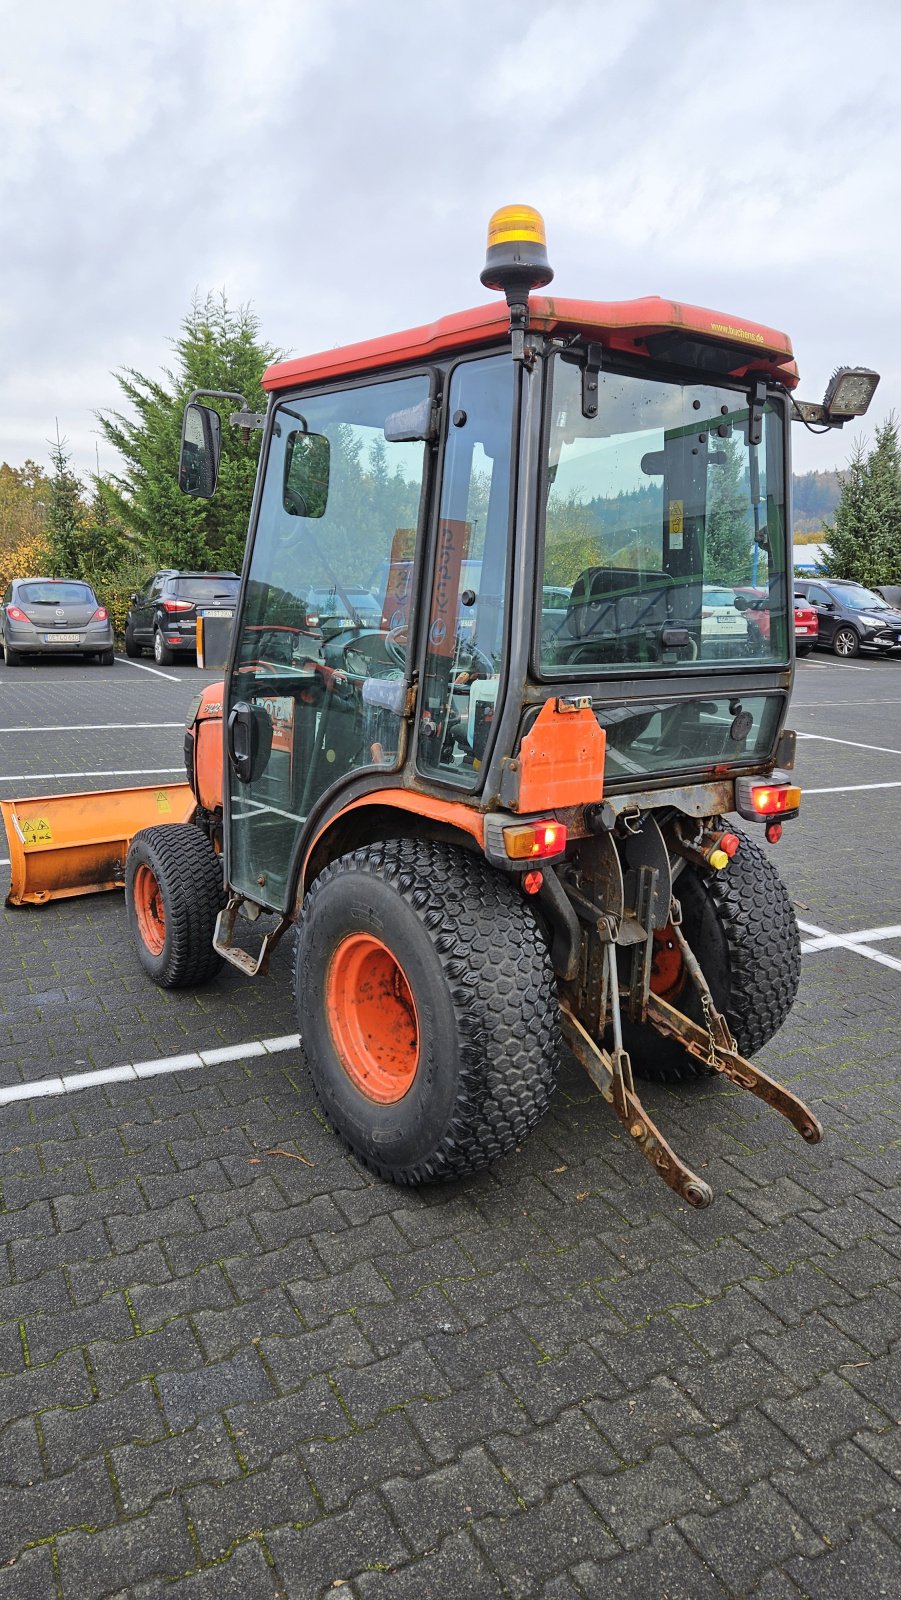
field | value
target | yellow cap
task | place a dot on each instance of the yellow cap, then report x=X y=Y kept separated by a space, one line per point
x=718 y=859
x=513 y=223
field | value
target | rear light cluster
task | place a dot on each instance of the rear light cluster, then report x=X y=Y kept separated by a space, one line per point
x=178 y=605
x=15 y=615
x=100 y=615
x=531 y=841
x=772 y=803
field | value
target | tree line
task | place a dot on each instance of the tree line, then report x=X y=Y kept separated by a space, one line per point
x=127 y=523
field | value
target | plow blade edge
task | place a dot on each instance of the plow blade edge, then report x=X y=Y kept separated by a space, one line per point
x=68 y=844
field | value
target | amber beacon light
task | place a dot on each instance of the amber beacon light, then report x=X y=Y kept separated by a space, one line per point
x=516 y=263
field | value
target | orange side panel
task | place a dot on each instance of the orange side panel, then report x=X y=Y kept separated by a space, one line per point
x=67 y=844
x=208 y=762
x=561 y=760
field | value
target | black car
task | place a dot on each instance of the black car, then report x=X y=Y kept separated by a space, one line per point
x=163 y=616
x=850 y=616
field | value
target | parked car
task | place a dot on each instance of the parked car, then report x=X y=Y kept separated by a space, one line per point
x=850 y=616
x=162 y=617
x=725 y=629
x=891 y=594
x=807 y=627
x=54 y=616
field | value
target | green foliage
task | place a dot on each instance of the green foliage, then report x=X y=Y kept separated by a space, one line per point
x=219 y=348
x=814 y=498
x=728 y=548
x=65 y=514
x=864 y=541
x=24 y=496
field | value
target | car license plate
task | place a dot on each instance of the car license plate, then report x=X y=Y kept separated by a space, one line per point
x=217 y=613
x=62 y=638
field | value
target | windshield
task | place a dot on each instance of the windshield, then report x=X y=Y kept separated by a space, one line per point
x=659 y=516
x=859 y=599
x=56 y=594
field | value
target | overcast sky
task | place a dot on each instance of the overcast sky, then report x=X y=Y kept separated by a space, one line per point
x=335 y=162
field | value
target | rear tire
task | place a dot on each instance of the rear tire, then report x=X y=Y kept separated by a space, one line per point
x=741 y=925
x=107 y=658
x=427 y=1008
x=174 y=893
x=162 y=655
x=132 y=648
x=803 y=649
x=13 y=657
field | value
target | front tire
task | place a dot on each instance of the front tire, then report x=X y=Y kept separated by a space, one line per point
x=846 y=643
x=162 y=655
x=174 y=893
x=427 y=1008
x=741 y=925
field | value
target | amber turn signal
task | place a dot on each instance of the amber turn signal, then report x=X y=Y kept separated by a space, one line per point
x=528 y=841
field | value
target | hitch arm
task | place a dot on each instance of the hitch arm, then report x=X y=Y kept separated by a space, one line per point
x=726 y=1060
x=605 y=1071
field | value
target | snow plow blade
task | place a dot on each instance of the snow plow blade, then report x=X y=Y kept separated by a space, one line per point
x=68 y=844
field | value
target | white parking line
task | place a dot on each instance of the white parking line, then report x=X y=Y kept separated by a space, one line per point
x=825 y=738
x=93 y=727
x=142 y=668
x=848 y=788
x=823 y=940
x=109 y=772
x=134 y=1071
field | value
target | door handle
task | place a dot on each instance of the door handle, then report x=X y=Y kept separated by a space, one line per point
x=249 y=741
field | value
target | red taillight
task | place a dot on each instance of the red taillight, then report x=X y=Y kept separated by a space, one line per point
x=15 y=614
x=100 y=615
x=178 y=605
x=530 y=840
x=756 y=801
x=774 y=801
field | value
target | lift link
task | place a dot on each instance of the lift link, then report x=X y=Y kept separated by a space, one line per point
x=602 y=1069
x=715 y=1046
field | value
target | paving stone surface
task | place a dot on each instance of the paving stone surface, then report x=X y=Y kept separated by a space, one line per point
x=227 y=1372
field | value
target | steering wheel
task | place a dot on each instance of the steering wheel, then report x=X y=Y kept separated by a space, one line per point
x=396 y=646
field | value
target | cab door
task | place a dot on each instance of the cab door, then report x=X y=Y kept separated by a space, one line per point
x=322 y=656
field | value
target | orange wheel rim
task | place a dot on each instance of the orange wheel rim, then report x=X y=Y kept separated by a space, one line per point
x=667 y=965
x=372 y=1018
x=149 y=911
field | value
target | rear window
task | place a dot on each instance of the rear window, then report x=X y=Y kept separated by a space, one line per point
x=57 y=594
x=206 y=590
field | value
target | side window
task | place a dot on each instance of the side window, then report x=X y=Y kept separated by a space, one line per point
x=156 y=588
x=817 y=597
x=465 y=635
x=320 y=661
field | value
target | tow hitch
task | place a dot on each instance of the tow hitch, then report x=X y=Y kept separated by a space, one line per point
x=642 y=902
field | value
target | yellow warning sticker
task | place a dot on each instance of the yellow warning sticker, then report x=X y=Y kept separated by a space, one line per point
x=162 y=800
x=36 y=830
x=676 y=516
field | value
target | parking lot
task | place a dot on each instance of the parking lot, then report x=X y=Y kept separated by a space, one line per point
x=236 y=1365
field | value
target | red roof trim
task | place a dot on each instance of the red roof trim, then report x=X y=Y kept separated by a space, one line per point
x=624 y=322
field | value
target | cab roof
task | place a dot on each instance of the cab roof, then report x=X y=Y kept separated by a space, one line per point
x=717 y=344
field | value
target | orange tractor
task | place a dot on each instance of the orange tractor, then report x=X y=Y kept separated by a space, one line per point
x=486 y=713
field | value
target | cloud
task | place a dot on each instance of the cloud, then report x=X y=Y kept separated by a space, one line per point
x=335 y=162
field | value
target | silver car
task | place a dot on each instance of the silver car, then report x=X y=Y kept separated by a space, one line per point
x=54 y=616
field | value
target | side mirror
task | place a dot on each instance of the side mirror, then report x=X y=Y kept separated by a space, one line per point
x=132 y=599
x=201 y=448
x=742 y=603
x=307 y=463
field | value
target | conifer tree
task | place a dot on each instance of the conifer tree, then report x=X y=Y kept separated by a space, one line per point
x=864 y=541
